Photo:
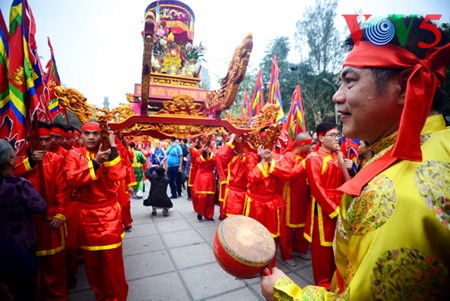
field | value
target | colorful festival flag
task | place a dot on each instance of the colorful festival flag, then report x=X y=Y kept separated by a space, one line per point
x=52 y=80
x=274 y=96
x=5 y=102
x=350 y=150
x=245 y=112
x=258 y=96
x=295 y=122
x=25 y=78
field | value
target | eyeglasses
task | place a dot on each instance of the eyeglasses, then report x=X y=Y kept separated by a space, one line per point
x=334 y=135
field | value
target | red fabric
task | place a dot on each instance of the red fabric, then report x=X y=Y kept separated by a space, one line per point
x=204 y=184
x=263 y=203
x=323 y=183
x=94 y=219
x=50 y=248
x=44 y=132
x=52 y=276
x=106 y=274
x=322 y=261
x=294 y=187
x=58 y=131
x=293 y=144
x=90 y=126
x=425 y=78
x=192 y=174
x=236 y=179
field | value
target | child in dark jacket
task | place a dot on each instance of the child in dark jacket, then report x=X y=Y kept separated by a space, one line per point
x=157 y=197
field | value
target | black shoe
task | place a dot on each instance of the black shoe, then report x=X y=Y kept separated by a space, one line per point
x=211 y=220
x=165 y=212
x=173 y=197
x=154 y=212
x=199 y=217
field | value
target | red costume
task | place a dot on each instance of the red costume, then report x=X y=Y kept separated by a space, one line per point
x=290 y=169
x=222 y=170
x=324 y=177
x=95 y=222
x=204 y=184
x=235 y=179
x=123 y=196
x=262 y=202
x=51 y=245
x=192 y=174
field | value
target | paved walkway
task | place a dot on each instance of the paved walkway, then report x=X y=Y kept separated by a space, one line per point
x=171 y=258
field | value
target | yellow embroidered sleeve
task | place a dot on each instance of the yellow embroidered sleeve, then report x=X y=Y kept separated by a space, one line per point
x=287 y=290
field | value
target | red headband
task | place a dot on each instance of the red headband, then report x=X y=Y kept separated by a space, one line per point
x=90 y=126
x=57 y=131
x=293 y=144
x=320 y=134
x=69 y=134
x=44 y=132
x=425 y=78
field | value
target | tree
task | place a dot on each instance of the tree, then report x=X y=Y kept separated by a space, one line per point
x=318 y=44
x=279 y=47
x=318 y=39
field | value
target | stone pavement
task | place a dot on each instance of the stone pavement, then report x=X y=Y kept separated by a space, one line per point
x=171 y=258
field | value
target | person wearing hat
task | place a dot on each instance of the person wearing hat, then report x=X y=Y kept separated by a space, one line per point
x=393 y=238
x=19 y=200
x=50 y=247
x=94 y=219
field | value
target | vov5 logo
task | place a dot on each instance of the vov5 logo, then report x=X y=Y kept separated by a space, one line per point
x=380 y=30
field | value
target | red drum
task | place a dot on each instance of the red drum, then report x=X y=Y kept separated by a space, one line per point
x=243 y=247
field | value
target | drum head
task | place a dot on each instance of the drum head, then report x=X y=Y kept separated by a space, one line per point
x=247 y=240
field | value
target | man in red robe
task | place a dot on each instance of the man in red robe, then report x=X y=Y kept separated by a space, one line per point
x=204 y=184
x=50 y=248
x=263 y=203
x=290 y=169
x=324 y=177
x=194 y=152
x=94 y=219
x=232 y=156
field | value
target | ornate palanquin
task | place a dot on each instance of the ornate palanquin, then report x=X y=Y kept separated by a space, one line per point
x=174 y=105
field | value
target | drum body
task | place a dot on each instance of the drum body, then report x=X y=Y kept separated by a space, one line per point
x=243 y=247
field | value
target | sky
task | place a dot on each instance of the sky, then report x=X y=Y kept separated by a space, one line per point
x=98 y=44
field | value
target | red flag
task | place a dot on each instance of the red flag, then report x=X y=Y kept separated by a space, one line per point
x=52 y=80
x=25 y=78
x=274 y=96
x=6 y=123
x=258 y=96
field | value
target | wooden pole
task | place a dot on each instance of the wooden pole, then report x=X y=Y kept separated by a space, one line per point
x=149 y=30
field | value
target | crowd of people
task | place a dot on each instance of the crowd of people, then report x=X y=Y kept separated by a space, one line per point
x=376 y=225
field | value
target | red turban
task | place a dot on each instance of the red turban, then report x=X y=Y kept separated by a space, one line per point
x=425 y=78
x=90 y=126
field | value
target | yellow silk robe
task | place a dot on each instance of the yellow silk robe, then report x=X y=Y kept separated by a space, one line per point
x=393 y=240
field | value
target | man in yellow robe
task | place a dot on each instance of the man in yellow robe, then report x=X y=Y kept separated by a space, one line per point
x=393 y=235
